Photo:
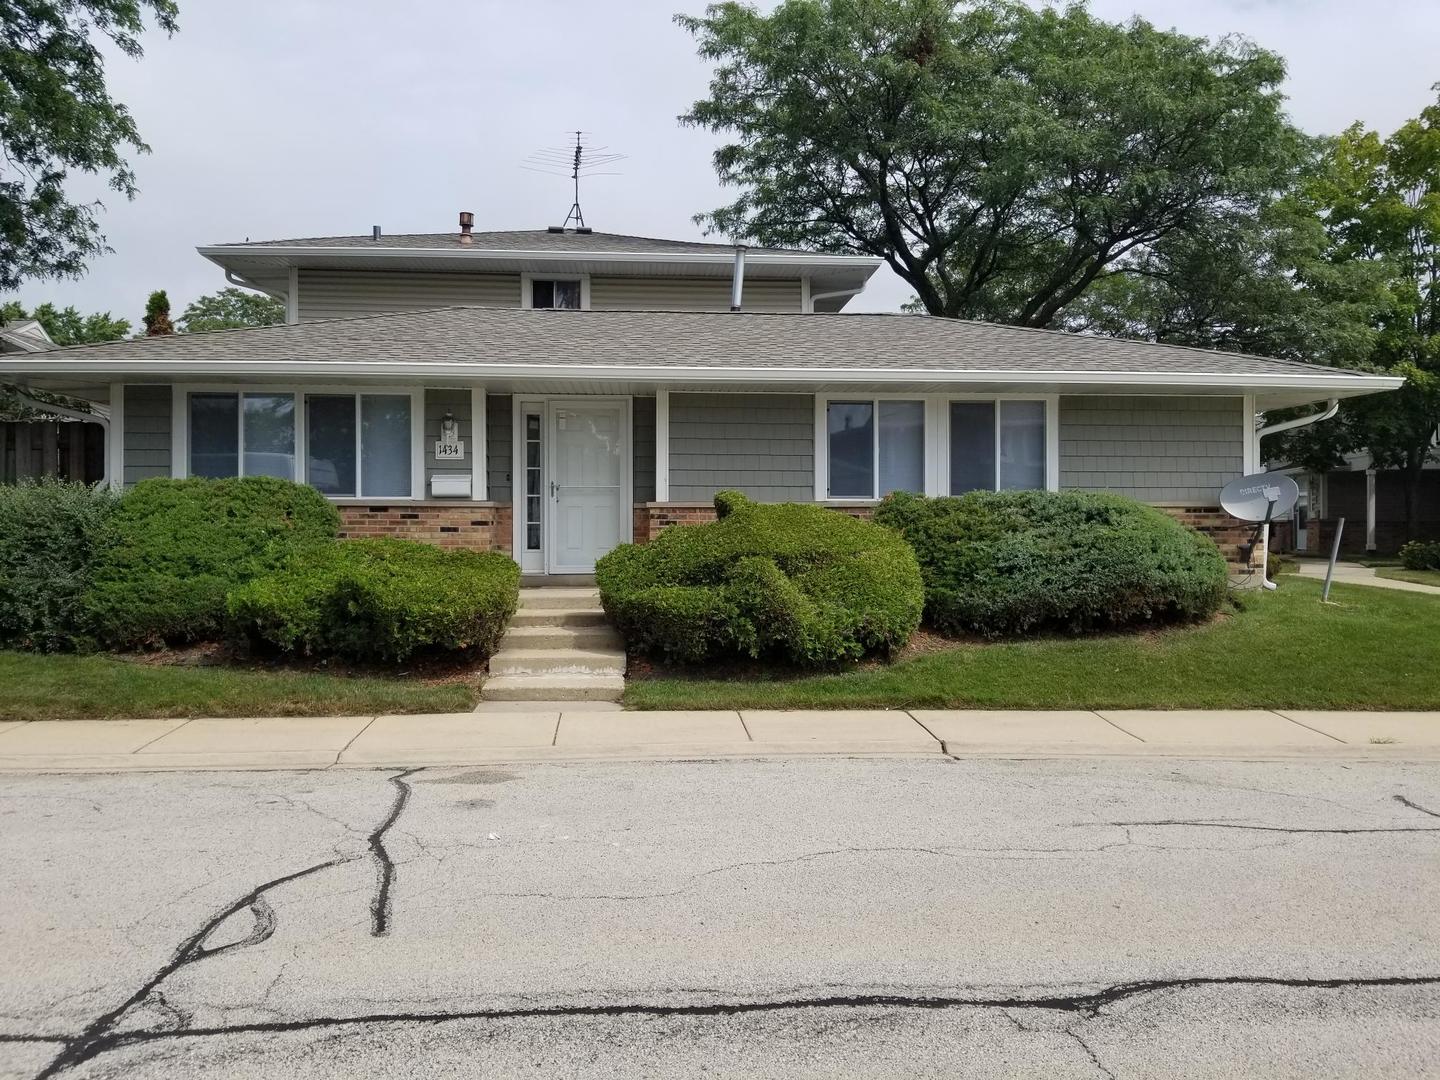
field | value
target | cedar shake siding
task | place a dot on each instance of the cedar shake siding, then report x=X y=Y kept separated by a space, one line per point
x=147 y=420
x=1156 y=449
x=642 y=441
x=761 y=444
x=499 y=427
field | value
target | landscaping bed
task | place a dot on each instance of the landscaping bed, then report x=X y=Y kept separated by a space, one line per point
x=1374 y=649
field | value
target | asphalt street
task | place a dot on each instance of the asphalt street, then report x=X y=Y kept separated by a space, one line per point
x=802 y=917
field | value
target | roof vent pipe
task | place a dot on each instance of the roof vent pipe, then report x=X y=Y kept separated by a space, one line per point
x=737 y=280
x=374 y=232
x=467 y=222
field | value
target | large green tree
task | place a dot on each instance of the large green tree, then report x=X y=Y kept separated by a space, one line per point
x=1001 y=159
x=67 y=326
x=56 y=118
x=231 y=309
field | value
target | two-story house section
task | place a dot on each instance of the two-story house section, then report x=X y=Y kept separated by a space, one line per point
x=554 y=393
x=338 y=277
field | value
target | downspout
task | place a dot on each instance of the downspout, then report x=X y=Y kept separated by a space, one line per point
x=1331 y=408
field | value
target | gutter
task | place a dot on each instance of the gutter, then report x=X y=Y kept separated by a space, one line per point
x=61 y=365
x=217 y=253
x=834 y=293
x=101 y=416
x=1331 y=408
x=245 y=283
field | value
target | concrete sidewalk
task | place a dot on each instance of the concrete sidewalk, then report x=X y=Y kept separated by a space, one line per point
x=586 y=734
x=1354 y=574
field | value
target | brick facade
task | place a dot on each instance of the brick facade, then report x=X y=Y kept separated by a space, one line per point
x=1228 y=533
x=476 y=526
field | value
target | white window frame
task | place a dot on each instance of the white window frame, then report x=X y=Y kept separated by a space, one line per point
x=180 y=431
x=937 y=438
x=527 y=294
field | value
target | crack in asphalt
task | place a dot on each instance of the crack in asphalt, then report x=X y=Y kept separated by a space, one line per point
x=1087 y=1005
x=1259 y=828
x=1403 y=801
x=381 y=904
x=102 y=1033
x=1090 y=1053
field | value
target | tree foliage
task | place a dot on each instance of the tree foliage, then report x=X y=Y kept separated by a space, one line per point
x=157 y=315
x=59 y=118
x=67 y=326
x=231 y=309
x=1000 y=159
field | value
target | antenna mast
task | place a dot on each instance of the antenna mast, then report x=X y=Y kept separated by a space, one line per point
x=576 y=161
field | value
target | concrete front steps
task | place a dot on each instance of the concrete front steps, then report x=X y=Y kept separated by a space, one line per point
x=559 y=647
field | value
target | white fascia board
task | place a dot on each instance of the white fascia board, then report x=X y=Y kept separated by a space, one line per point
x=1240 y=384
x=719 y=258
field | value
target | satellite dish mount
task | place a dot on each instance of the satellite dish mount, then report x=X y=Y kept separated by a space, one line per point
x=1261 y=498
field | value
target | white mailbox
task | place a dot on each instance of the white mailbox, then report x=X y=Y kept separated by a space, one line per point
x=451 y=486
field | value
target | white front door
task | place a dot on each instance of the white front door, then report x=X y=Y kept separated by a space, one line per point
x=588 y=456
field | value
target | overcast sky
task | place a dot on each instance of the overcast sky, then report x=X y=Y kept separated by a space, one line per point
x=287 y=118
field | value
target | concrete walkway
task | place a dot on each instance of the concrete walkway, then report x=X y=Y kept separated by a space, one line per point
x=586 y=734
x=1347 y=573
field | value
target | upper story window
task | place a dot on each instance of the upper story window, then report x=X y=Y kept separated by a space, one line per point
x=562 y=293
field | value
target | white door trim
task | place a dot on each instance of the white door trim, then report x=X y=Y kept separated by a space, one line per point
x=541 y=562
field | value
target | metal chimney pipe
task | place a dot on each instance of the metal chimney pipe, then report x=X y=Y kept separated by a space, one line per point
x=374 y=232
x=737 y=280
x=467 y=222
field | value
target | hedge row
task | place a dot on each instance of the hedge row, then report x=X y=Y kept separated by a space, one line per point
x=255 y=559
x=793 y=582
x=1421 y=555
x=1021 y=562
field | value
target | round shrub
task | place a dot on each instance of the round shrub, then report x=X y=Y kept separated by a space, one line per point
x=1421 y=555
x=181 y=545
x=1020 y=562
x=793 y=582
x=378 y=600
x=50 y=535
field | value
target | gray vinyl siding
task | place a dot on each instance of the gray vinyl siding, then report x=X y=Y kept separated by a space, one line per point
x=761 y=444
x=642 y=411
x=690 y=294
x=147 y=423
x=343 y=294
x=1156 y=449
x=437 y=404
x=498 y=430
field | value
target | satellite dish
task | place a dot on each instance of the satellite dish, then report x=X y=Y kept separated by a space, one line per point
x=1260 y=497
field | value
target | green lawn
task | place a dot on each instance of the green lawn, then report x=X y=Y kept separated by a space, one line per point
x=36 y=687
x=1419 y=577
x=1372 y=648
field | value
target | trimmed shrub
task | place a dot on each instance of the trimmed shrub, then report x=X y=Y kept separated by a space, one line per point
x=800 y=583
x=1019 y=562
x=378 y=600
x=1421 y=555
x=50 y=535
x=181 y=545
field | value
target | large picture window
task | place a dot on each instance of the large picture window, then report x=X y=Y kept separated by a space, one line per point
x=242 y=435
x=997 y=446
x=874 y=447
x=354 y=445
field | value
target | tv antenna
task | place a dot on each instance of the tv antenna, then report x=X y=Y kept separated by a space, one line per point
x=576 y=162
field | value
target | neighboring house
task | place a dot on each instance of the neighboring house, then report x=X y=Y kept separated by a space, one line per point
x=637 y=394
x=1372 y=502
x=46 y=444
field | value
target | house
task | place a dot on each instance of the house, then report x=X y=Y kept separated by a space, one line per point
x=1372 y=502
x=45 y=442
x=553 y=393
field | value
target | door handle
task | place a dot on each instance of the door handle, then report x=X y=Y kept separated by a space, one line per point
x=554 y=490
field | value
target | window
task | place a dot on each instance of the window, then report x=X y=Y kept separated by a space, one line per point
x=547 y=293
x=997 y=446
x=242 y=435
x=355 y=445
x=874 y=440
x=533 y=494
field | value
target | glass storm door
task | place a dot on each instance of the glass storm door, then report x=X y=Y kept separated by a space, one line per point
x=587 y=483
